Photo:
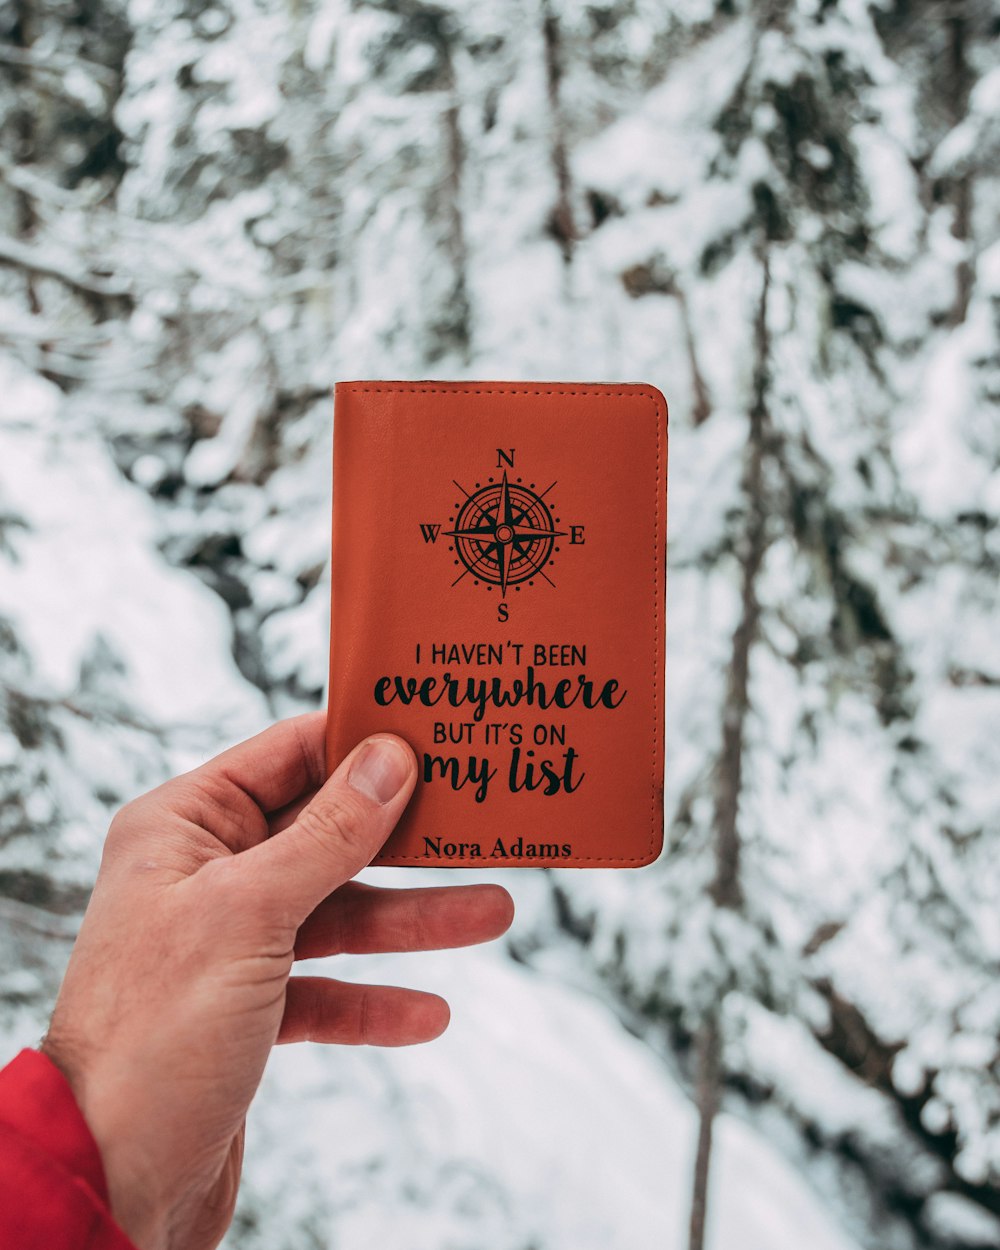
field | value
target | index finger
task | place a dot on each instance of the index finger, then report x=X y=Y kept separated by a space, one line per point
x=276 y=766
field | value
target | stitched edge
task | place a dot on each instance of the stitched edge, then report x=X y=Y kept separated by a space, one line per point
x=497 y=389
x=610 y=392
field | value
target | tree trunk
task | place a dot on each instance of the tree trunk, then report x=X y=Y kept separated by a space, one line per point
x=958 y=84
x=561 y=223
x=726 y=890
x=24 y=130
x=460 y=304
x=707 y=1096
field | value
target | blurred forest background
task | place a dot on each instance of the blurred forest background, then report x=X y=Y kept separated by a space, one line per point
x=784 y=214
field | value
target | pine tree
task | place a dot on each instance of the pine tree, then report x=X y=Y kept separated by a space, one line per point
x=781 y=214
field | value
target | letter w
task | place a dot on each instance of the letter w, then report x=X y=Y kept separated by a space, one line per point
x=430 y=532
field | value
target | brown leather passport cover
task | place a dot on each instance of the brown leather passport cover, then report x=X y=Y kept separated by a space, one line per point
x=498 y=583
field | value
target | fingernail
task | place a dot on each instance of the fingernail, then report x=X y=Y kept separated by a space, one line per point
x=380 y=769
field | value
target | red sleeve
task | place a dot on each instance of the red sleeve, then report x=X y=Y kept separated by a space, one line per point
x=53 y=1195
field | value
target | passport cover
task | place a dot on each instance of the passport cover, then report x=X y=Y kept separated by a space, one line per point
x=498 y=586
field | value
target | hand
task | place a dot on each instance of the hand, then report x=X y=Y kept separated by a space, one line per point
x=210 y=887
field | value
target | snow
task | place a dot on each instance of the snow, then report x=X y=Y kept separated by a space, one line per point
x=954 y=1216
x=586 y=1142
x=893 y=189
x=934 y=450
x=296 y=210
x=172 y=636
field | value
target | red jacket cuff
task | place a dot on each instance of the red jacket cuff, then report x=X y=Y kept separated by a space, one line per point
x=53 y=1193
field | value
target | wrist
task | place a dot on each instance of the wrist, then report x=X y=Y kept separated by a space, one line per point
x=131 y=1186
x=132 y=1195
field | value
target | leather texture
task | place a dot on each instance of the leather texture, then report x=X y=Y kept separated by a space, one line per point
x=498 y=600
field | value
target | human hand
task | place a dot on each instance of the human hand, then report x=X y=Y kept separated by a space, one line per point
x=210 y=886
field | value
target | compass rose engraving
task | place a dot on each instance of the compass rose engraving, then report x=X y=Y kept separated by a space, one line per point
x=504 y=532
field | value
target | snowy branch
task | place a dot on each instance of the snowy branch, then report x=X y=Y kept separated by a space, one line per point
x=55 y=63
x=22 y=256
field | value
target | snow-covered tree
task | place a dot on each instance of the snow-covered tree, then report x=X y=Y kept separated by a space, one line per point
x=781 y=213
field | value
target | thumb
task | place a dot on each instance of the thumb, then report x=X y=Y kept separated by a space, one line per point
x=339 y=831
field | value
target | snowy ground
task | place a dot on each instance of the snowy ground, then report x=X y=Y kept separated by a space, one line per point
x=535 y=1120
